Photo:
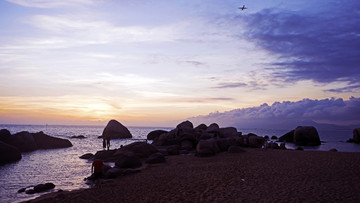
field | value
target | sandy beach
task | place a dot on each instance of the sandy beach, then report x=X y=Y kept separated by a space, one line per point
x=253 y=176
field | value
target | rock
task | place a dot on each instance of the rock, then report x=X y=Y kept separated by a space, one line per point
x=333 y=150
x=206 y=135
x=300 y=148
x=187 y=145
x=207 y=147
x=236 y=149
x=87 y=156
x=227 y=132
x=115 y=130
x=288 y=137
x=173 y=150
x=24 y=141
x=128 y=160
x=155 y=134
x=256 y=141
x=156 y=158
x=116 y=172
x=8 y=153
x=4 y=135
x=283 y=145
x=78 y=136
x=43 y=187
x=185 y=124
x=266 y=137
x=140 y=149
x=201 y=127
x=356 y=135
x=213 y=128
x=306 y=136
x=105 y=155
x=44 y=141
x=274 y=137
x=225 y=143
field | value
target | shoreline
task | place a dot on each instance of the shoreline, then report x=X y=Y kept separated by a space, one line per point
x=253 y=176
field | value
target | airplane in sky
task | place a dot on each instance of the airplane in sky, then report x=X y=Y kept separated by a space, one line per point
x=243 y=7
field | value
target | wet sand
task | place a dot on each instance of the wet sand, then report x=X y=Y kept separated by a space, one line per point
x=253 y=176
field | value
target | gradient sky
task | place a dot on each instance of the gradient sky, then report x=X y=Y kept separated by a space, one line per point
x=152 y=62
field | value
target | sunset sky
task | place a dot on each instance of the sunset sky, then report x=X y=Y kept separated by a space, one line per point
x=157 y=62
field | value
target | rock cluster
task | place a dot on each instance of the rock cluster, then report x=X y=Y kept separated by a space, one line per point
x=11 y=146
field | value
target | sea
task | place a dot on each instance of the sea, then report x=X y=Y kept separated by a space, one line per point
x=67 y=171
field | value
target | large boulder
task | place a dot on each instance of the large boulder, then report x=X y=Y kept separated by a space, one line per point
x=105 y=155
x=201 y=127
x=306 y=136
x=256 y=141
x=185 y=124
x=156 y=158
x=140 y=149
x=115 y=130
x=356 y=135
x=155 y=134
x=8 y=153
x=4 y=135
x=207 y=147
x=24 y=141
x=228 y=132
x=128 y=160
x=288 y=137
x=44 y=141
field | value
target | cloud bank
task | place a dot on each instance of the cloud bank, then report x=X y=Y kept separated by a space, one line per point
x=320 y=44
x=287 y=115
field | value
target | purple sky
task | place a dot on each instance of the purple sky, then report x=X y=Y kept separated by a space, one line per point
x=159 y=62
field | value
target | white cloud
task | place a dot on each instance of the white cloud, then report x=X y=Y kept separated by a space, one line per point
x=288 y=114
x=52 y=3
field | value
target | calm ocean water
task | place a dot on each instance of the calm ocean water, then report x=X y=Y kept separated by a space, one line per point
x=67 y=171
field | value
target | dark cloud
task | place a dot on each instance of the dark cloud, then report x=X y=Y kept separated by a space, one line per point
x=288 y=114
x=230 y=85
x=321 y=45
x=344 y=89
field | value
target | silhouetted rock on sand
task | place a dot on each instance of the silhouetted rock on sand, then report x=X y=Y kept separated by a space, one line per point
x=128 y=160
x=155 y=134
x=156 y=158
x=25 y=141
x=115 y=130
x=8 y=153
x=140 y=149
x=105 y=155
x=302 y=135
x=207 y=147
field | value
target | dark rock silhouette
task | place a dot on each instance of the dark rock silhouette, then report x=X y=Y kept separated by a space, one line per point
x=37 y=189
x=155 y=134
x=356 y=135
x=8 y=153
x=115 y=130
x=25 y=141
x=128 y=160
x=78 y=136
x=302 y=135
x=140 y=149
x=4 y=134
x=306 y=136
x=156 y=158
x=87 y=156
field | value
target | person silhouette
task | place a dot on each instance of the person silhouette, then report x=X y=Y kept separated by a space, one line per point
x=96 y=170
